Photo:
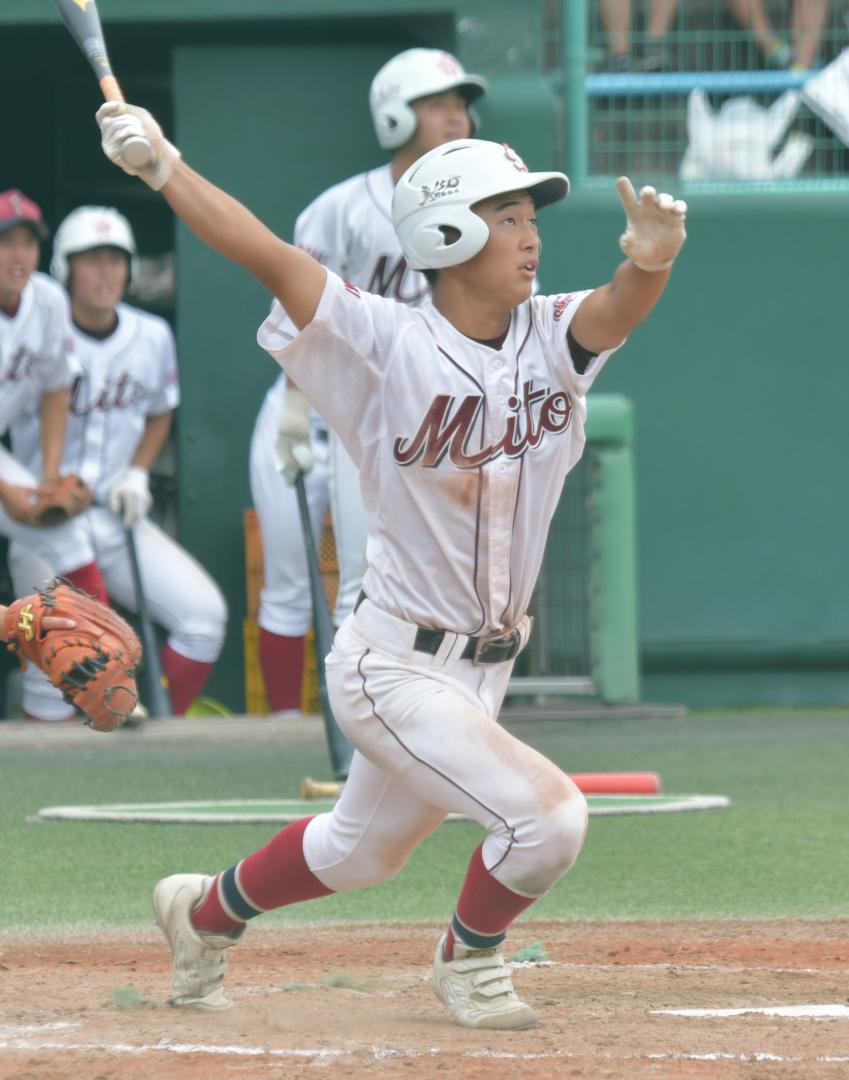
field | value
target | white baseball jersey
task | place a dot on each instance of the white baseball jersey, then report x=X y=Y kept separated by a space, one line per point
x=348 y=228
x=462 y=449
x=32 y=348
x=116 y=384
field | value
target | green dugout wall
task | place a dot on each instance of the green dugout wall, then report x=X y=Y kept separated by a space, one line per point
x=739 y=381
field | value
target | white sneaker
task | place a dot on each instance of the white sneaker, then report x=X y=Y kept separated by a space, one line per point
x=199 y=960
x=478 y=989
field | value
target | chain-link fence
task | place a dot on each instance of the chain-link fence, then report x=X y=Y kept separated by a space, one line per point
x=704 y=91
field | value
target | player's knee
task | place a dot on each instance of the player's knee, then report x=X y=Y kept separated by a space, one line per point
x=200 y=633
x=551 y=845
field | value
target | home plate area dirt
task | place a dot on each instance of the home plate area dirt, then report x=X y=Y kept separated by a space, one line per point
x=357 y=1001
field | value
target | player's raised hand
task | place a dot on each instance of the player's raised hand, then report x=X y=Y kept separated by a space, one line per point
x=292 y=448
x=119 y=122
x=655 y=230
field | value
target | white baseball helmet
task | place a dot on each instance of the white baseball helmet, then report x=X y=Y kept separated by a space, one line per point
x=439 y=190
x=410 y=75
x=90 y=227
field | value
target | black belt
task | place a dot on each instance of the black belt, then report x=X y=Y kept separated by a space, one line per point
x=494 y=649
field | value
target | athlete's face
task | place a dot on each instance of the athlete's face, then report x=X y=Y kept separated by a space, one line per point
x=19 y=255
x=507 y=265
x=98 y=278
x=440 y=119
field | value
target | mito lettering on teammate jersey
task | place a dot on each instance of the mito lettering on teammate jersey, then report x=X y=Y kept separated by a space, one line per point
x=536 y=413
x=389 y=278
x=21 y=365
x=121 y=393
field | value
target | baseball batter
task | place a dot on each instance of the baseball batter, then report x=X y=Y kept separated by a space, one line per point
x=419 y=100
x=464 y=417
x=34 y=376
x=123 y=392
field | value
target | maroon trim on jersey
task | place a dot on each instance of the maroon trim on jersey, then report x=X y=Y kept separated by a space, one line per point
x=479 y=470
x=522 y=458
x=373 y=194
x=510 y=829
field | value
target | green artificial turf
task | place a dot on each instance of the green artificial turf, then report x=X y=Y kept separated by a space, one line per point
x=779 y=850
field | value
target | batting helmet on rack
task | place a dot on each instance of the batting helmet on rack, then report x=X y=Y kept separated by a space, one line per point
x=90 y=227
x=408 y=76
x=439 y=190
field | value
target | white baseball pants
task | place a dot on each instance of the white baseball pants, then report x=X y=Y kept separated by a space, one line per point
x=428 y=744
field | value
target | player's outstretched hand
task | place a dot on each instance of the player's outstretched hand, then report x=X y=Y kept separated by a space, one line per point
x=119 y=122
x=130 y=498
x=655 y=231
x=292 y=448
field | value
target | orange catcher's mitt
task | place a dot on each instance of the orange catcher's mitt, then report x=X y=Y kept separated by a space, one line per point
x=58 y=500
x=94 y=665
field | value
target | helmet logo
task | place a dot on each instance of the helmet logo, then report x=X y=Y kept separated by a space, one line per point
x=513 y=157
x=103 y=226
x=449 y=64
x=448 y=185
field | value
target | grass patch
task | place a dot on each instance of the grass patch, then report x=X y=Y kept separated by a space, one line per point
x=771 y=854
x=128 y=997
x=343 y=980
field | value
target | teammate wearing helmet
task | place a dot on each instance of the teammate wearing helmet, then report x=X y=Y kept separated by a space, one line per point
x=419 y=100
x=34 y=376
x=464 y=416
x=123 y=392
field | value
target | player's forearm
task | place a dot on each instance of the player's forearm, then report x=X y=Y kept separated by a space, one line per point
x=228 y=227
x=612 y=311
x=54 y=414
x=152 y=441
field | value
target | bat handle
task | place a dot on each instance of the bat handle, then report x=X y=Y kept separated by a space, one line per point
x=319 y=789
x=135 y=150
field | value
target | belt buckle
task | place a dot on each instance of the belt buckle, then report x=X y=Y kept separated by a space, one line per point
x=482 y=643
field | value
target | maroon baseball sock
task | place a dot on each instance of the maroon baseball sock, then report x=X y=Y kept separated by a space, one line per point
x=282 y=661
x=186 y=678
x=484 y=911
x=272 y=877
x=90 y=580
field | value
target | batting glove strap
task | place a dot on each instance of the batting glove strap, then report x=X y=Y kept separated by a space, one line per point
x=119 y=122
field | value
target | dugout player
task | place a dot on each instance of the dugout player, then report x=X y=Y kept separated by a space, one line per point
x=123 y=392
x=464 y=416
x=34 y=376
x=418 y=100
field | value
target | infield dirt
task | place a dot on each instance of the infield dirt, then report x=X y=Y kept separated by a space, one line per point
x=357 y=1001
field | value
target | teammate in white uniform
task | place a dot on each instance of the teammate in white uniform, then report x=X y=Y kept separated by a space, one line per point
x=123 y=392
x=464 y=417
x=34 y=376
x=419 y=100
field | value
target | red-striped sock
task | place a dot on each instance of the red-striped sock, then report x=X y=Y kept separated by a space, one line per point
x=484 y=911
x=272 y=877
x=282 y=662
x=186 y=678
x=90 y=580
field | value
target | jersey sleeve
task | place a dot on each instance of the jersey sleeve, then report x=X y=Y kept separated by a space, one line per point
x=167 y=392
x=553 y=316
x=53 y=370
x=339 y=360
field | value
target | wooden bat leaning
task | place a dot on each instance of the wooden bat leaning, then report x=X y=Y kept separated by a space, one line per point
x=83 y=23
x=338 y=746
x=160 y=704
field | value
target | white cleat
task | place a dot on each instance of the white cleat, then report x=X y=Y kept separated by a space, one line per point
x=478 y=989
x=199 y=961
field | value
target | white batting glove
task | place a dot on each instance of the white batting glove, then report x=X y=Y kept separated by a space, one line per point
x=130 y=497
x=118 y=122
x=292 y=447
x=655 y=231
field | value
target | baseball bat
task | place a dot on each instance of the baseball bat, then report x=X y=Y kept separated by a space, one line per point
x=83 y=23
x=319 y=789
x=339 y=748
x=160 y=704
